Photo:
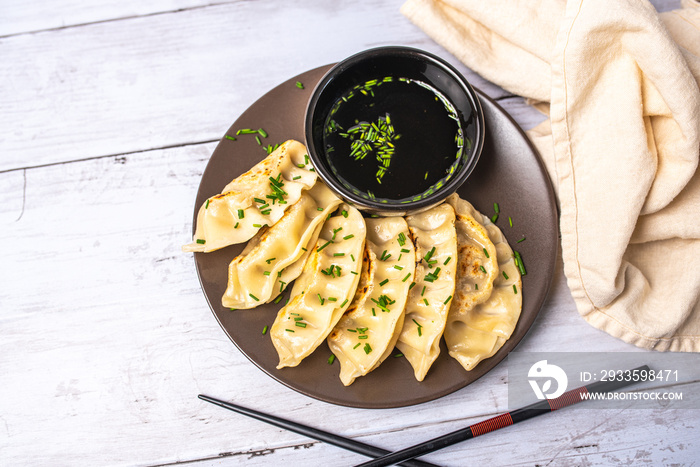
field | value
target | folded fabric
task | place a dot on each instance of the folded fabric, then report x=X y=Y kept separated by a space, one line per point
x=622 y=144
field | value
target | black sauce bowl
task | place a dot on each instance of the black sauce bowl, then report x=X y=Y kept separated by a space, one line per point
x=413 y=64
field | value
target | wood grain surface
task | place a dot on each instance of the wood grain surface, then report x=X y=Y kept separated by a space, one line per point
x=110 y=111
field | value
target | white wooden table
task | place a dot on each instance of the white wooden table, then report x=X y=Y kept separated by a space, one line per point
x=109 y=112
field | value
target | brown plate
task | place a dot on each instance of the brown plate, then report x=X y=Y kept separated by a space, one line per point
x=509 y=173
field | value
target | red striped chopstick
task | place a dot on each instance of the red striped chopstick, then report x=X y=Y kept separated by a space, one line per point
x=501 y=421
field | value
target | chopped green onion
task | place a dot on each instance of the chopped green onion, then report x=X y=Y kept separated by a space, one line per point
x=356 y=345
x=402 y=239
x=398 y=355
x=348 y=237
x=425 y=300
x=262 y=132
x=368 y=348
x=344 y=303
x=278 y=299
x=521 y=240
x=413 y=284
x=482 y=268
x=206 y=206
x=265 y=330
x=254 y=297
x=496 y=209
x=486 y=253
x=396 y=266
x=324 y=245
x=230 y=137
x=448 y=300
x=494 y=218
x=510 y=221
x=338 y=254
x=301 y=86
x=266 y=273
x=201 y=241
x=269 y=260
x=519 y=263
x=384 y=282
x=300 y=324
x=515 y=289
x=447 y=260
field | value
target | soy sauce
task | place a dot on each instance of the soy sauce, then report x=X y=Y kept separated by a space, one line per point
x=394 y=139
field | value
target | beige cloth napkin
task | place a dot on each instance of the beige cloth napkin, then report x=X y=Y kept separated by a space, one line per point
x=621 y=146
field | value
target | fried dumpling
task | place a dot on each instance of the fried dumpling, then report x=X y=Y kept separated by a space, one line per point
x=434 y=235
x=275 y=256
x=323 y=291
x=366 y=334
x=256 y=198
x=479 y=325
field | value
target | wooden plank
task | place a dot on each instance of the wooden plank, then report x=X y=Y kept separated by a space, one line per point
x=166 y=80
x=107 y=339
x=17 y=16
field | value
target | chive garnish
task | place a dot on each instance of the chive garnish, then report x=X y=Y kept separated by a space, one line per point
x=368 y=348
x=278 y=299
x=264 y=331
x=348 y=237
x=201 y=241
x=476 y=286
x=321 y=299
x=425 y=300
x=262 y=132
x=496 y=208
x=344 y=303
x=413 y=284
x=515 y=289
x=398 y=355
x=486 y=253
x=338 y=254
x=396 y=266
x=206 y=206
x=352 y=257
x=510 y=221
x=254 y=297
x=297 y=178
x=241 y=214
x=363 y=337
x=266 y=273
x=356 y=345
x=331 y=359
x=289 y=330
x=258 y=200
x=448 y=300
x=447 y=260
x=402 y=239
x=319 y=209
x=494 y=218
x=324 y=245
x=519 y=263
x=481 y=267
x=384 y=282
x=422 y=291
x=236 y=226
x=257 y=226
x=232 y=138
x=300 y=324
x=269 y=260
x=521 y=240
x=257 y=138
x=301 y=86
x=344 y=213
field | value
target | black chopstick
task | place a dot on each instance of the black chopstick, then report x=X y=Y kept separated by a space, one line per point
x=500 y=421
x=345 y=443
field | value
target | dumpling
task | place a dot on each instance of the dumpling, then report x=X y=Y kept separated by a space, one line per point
x=366 y=334
x=276 y=255
x=256 y=198
x=323 y=291
x=434 y=235
x=477 y=326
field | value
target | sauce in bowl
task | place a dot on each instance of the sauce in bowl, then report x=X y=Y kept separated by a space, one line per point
x=394 y=130
x=393 y=138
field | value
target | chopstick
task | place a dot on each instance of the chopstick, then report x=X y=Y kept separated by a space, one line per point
x=345 y=443
x=500 y=421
